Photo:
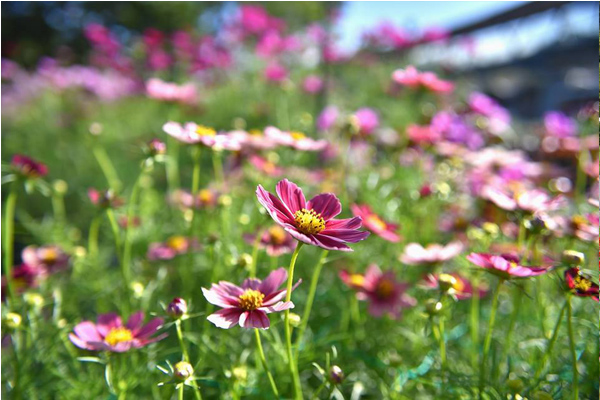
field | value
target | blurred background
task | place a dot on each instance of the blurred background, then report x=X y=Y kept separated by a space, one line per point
x=531 y=56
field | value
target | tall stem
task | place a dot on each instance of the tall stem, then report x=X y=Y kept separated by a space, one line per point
x=255 y=254
x=128 y=229
x=195 y=187
x=442 y=342
x=288 y=327
x=572 y=348
x=263 y=360
x=475 y=324
x=186 y=356
x=93 y=237
x=218 y=167
x=488 y=337
x=108 y=169
x=511 y=325
x=9 y=240
x=311 y=297
x=550 y=345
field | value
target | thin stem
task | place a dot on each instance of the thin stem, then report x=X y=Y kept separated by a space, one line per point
x=255 y=254
x=488 y=337
x=572 y=348
x=93 y=237
x=109 y=171
x=521 y=237
x=195 y=188
x=115 y=228
x=550 y=345
x=511 y=325
x=180 y=391
x=311 y=297
x=442 y=342
x=218 y=167
x=128 y=229
x=475 y=324
x=580 y=177
x=288 y=327
x=9 y=239
x=263 y=360
x=184 y=351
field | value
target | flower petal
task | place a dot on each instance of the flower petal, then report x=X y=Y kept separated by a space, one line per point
x=218 y=299
x=108 y=321
x=350 y=223
x=149 y=329
x=278 y=211
x=135 y=321
x=346 y=235
x=87 y=331
x=280 y=306
x=326 y=204
x=273 y=281
x=254 y=319
x=225 y=318
x=291 y=195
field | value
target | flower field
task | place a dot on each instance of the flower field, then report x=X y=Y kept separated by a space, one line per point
x=254 y=214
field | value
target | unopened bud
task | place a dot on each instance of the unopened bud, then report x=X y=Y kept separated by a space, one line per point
x=60 y=186
x=35 y=300
x=295 y=320
x=177 y=308
x=156 y=148
x=573 y=258
x=183 y=370
x=433 y=307
x=336 y=375
x=244 y=260
x=446 y=282
x=13 y=320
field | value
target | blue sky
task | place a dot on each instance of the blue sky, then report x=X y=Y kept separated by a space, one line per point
x=361 y=15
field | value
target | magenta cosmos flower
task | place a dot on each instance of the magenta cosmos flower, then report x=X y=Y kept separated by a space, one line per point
x=455 y=285
x=384 y=294
x=109 y=333
x=166 y=91
x=174 y=246
x=275 y=240
x=249 y=304
x=505 y=266
x=580 y=285
x=312 y=84
x=532 y=201
x=28 y=167
x=415 y=254
x=375 y=224
x=412 y=78
x=296 y=140
x=368 y=120
x=311 y=222
x=192 y=133
x=49 y=258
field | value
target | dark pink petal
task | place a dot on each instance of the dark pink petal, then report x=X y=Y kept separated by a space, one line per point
x=326 y=204
x=106 y=322
x=273 y=281
x=86 y=331
x=228 y=288
x=291 y=195
x=480 y=259
x=280 y=306
x=330 y=243
x=255 y=319
x=82 y=344
x=213 y=297
x=350 y=223
x=225 y=318
x=121 y=347
x=144 y=342
x=251 y=283
x=346 y=235
x=278 y=211
x=149 y=329
x=299 y=235
x=135 y=321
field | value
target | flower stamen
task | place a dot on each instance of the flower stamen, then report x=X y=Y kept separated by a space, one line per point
x=118 y=335
x=309 y=221
x=251 y=299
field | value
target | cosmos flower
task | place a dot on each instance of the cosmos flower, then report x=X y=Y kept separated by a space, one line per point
x=368 y=120
x=167 y=91
x=528 y=200
x=23 y=277
x=559 y=125
x=312 y=84
x=264 y=166
x=253 y=139
x=375 y=224
x=275 y=72
x=311 y=222
x=296 y=140
x=49 y=258
x=411 y=77
x=28 y=167
x=328 y=117
x=422 y=134
x=415 y=254
x=580 y=285
x=505 y=266
x=173 y=247
x=249 y=304
x=109 y=333
x=275 y=240
x=192 y=133
x=381 y=289
x=455 y=285
x=105 y=198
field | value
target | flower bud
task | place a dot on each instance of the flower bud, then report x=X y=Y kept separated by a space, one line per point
x=60 y=186
x=240 y=373
x=491 y=229
x=295 y=320
x=336 y=375
x=573 y=258
x=244 y=260
x=156 y=148
x=35 y=300
x=138 y=289
x=13 y=320
x=515 y=385
x=537 y=224
x=433 y=307
x=183 y=370
x=446 y=282
x=177 y=308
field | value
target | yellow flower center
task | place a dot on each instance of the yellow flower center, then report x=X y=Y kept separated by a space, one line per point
x=118 y=335
x=205 y=131
x=309 y=221
x=205 y=196
x=581 y=283
x=357 y=280
x=512 y=264
x=178 y=243
x=377 y=222
x=255 y=132
x=578 y=220
x=251 y=300
x=297 y=135
x=49 y=256
x=277 y=235
x=384 y=288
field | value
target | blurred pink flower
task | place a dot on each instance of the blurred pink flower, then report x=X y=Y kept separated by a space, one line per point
x=460 y=288
x=412 y=78
x=368 y=120
x=192 y=133
x=48 y=258
x=27 y=167
x=422 y=134
x=559 y=125
x=375 y=224
x=415 y=254
x=327 y=118
x=312 y=84
x=505 y=266
x=275 y=240
x=173 y=247
x=529 y=200
x=264 y=166
x=297 y=140
x=166 y=91
x=275 y=72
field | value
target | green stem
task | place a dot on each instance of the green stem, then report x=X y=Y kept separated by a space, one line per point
x=550 y=345
x=195 y=188
x=572 y=348
x=488 y=337
x=218 y=167
x=93 y=237
x=184 y=351
x=311 y=297
x=511 y=325
x=115 y=228
x=128 y=229
x=252 y=271
x=9 y=239
x=180 y=391
x=109 y=171
x=263 y=360
x=580 y=177
x=442 y=342
x=521 y=237
x=475 y=324
x=288 y=327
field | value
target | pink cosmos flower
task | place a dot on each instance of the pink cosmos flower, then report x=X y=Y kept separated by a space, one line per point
x=206 y=198
x=534 y=200
x=505 y=266
x=412 y=78
x=327 y=118
x=109 y=333
x=174 y=246
x=423 y=134
x=297 y=140
x=311 y=222
x=192 y=133
x=265 y=166
x=368 y=120
x=249 y=304
x=23 y=277
x=415 y=254
x=375 y=224
x=559 y=125
x=275 y=240
x=381 y=289
x=580 y=285
x=254 y=19
x=253 y=139
x=312 y=84
x=28 y=167
x=458 y=287
x=48 y=258
x=275 y=72
x=166 y=91
x=105 y=198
